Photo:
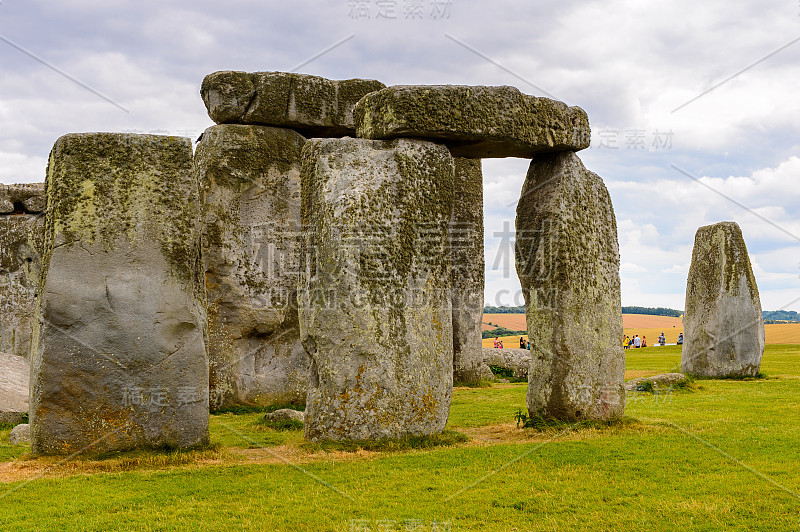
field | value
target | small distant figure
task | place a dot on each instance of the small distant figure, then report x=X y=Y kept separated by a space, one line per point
x=680 y=339
x=501 y=344
x=521 y=342
x=637 y=342
x=626 y=342
x=644 y=341
x=528 y=346
x=496 y=343
x=662 y=340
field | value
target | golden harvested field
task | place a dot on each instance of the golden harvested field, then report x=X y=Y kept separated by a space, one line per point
x=643 y=325
x=645 y=321
x=514 y=322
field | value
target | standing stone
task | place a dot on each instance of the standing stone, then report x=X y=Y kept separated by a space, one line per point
x=20 y=244
x=466 y=253
x=568 y=265
x=375 y=294
x=312 y=105
x=723 y=326
x=14 y=378
x=119 y=360
x=474 y=121
x=250 y=178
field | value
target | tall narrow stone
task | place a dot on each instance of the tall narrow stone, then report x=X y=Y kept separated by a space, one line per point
x=250 y=178
x=20 y=243
x=568 y=265
x=375 y=294
x=723 y=326
x=119 y=360
x=466 y=253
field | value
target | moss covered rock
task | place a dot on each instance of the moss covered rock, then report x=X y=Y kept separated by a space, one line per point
x=474 y=122
x=20 y=247
x=723 y=326
x=315 y=106
x=25 y=198
x=14 y=379
x=467 y=273
x=375 y=294
x=119 y=360
x=568 y=263
x=250 y=179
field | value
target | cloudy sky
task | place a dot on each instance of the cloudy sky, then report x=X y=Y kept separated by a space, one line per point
x=693 y=105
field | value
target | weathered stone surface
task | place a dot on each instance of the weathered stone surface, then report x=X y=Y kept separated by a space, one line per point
x=285 y=414
x=119 y=359
x=375 y=294
x=568 y=265
x=474 y=122
x=514 y=359
x=467 y=273
x=20 y=244
x=14 y=379
x=723 y=326
x=20 y=434
x=25 y=198
x=315 y=106
x=485 y=373
x=250 y=178
x=663 y=380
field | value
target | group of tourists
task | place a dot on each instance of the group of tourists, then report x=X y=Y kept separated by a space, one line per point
x=634 y=342
x=523 y=344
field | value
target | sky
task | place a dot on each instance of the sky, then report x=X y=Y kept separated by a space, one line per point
x=693 y=105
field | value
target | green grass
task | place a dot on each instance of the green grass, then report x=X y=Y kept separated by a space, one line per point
x=678 y=461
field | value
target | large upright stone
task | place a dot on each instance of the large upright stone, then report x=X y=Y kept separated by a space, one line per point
x=474 y=122
x=568 y=265
x=315 y=106
x=119 y=360
x=467 y=273
x=20 y=245
x=250 y=178
x=375 y=295
x=14 y=379
x=723 y=326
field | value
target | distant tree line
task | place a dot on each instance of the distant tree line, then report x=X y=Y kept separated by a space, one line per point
x=504 y=310
x=770 y=316
x=502 y=331
x=625 y=310
x=780 y=316
x=653 y=311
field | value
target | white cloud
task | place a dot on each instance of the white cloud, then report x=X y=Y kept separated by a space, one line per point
x=629 y=64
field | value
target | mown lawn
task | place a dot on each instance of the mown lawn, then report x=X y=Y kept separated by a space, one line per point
x=725 y=456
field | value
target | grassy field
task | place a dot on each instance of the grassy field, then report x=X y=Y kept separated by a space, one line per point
x=724 y=456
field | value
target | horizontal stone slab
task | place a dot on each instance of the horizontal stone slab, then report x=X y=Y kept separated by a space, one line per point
x=25 y=198
x=474 y=122
x=314 y=106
